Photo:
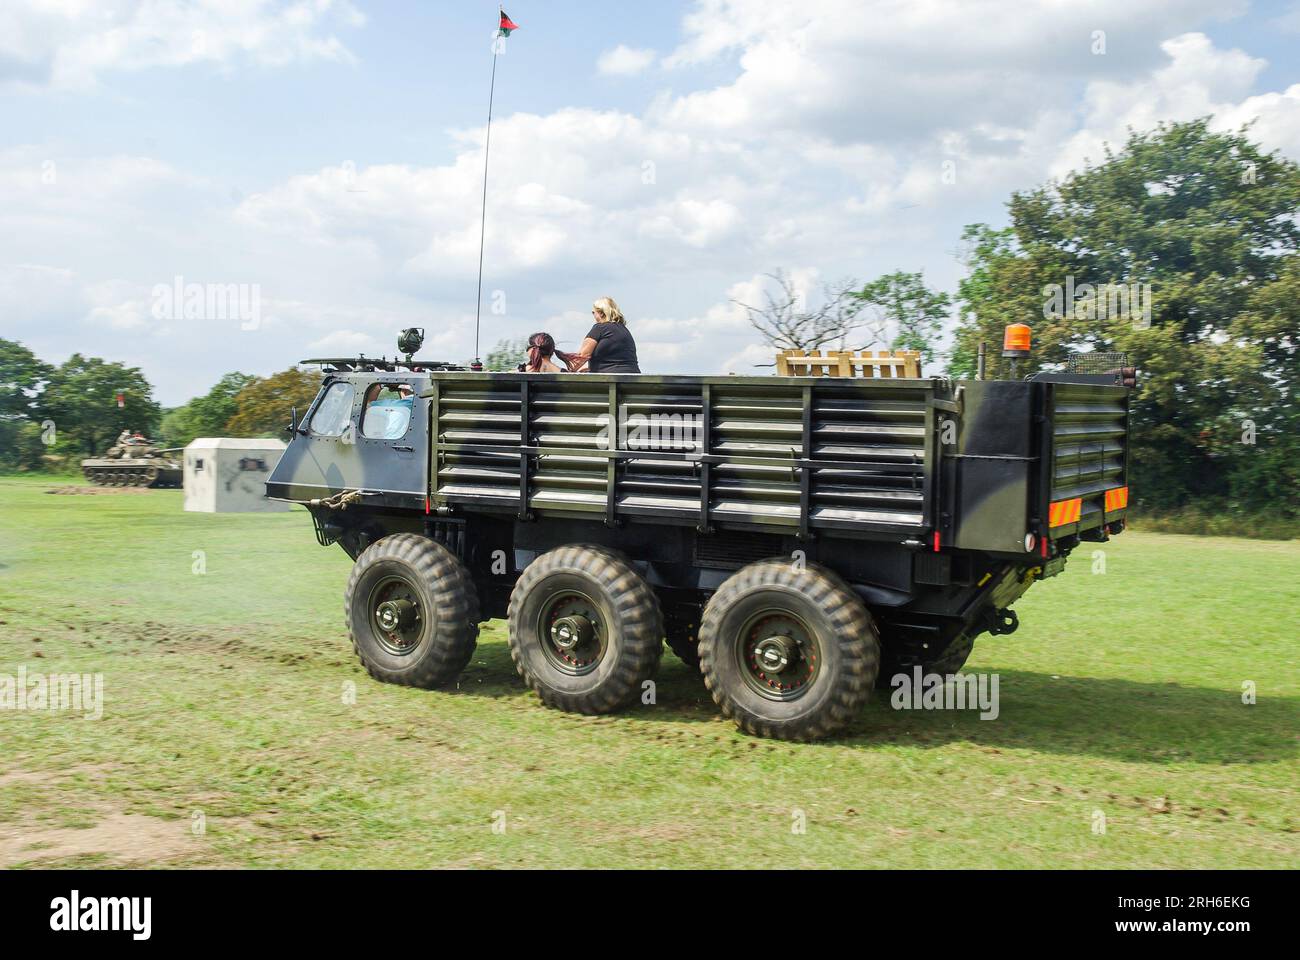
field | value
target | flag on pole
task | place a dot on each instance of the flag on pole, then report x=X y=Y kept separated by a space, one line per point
x=504 y=29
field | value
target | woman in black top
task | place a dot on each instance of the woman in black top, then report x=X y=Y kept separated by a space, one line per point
x=609 y=346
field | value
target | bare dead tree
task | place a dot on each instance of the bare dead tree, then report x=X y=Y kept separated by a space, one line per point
x=787 y=322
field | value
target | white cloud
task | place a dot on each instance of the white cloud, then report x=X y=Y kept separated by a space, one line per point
x=1274 y=119
x=750 y=360
x=842 y=141
x=1198 y=80
x=347 y=343
x=70 y=44
x=899 y=69
x=124 y=316
x=624 y=61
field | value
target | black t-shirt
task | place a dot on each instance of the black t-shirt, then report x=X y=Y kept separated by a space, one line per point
x=615 y=349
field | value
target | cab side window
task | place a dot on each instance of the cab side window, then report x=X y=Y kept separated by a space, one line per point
x=388 y=411
x=335 y=411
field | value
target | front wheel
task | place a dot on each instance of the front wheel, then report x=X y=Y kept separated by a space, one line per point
x=788 y=652
x=412 y=611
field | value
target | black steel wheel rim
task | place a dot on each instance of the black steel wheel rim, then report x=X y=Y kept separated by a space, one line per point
x=396 y=615
x=572 y=632
x=778 y=655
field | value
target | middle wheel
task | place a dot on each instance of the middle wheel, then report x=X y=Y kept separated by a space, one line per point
x=585 y=629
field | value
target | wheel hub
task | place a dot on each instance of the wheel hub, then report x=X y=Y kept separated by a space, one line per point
x=778 y=655
x=569 y=633
x=572 y=632
x=394 y=615
x=775 y=653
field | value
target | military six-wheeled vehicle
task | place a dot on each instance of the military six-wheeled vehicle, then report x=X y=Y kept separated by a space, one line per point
x=798 y=539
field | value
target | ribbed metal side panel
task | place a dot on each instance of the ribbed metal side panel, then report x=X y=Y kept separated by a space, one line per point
x=479 y=428
x=760 y=433
x=570 y=426
x=1089 y=436
x=660 y=418
x=867 y=447
x=884 y=437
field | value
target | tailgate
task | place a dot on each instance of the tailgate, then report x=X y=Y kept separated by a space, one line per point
x=1087 y=469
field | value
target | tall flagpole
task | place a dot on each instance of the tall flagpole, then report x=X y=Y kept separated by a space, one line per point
x=482 y=223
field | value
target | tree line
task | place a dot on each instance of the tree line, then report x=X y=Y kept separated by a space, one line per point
x=52 y=416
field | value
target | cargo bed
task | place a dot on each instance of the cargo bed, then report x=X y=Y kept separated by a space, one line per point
x=781 y=454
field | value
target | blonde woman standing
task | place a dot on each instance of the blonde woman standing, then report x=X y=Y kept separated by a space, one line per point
x=609 y=346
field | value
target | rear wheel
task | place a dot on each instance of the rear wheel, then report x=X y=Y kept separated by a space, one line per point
x=412 y=611
x=955 y=657
x=788 y=652
x=950 y=660
x=585 y=629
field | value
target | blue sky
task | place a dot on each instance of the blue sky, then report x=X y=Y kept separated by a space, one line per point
x=327 y=154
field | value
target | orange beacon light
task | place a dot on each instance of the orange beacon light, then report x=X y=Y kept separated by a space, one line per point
x=1016 y=340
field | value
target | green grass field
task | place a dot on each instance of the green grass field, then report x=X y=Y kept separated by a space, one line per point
x=228 y=736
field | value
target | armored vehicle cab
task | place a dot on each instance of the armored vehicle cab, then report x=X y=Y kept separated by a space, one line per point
x=798 y=539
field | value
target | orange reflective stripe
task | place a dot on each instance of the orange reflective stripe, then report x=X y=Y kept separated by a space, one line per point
x=1064 y=511
x=1116 y=499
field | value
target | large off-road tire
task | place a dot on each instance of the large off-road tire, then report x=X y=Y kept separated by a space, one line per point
x=951 y=660
x=788 y=652
x=585 y=629
x=412 y=611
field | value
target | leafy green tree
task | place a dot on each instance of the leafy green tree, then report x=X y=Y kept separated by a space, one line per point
x=1258 y=435
x=81 y=399
x=23 y=446
x=26 y=447
x=213 y=410
x=506 y=355
x=262 y=408
x=205 y=416
x=1206 y=222
x=908 y=310
x=22 y=377
x=994 y=293
x=177 y=426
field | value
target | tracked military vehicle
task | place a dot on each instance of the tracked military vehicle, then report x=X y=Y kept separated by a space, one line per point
x=134 y=464
x=799 y=539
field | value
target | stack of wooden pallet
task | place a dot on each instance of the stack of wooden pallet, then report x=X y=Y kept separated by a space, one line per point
x=847 y=363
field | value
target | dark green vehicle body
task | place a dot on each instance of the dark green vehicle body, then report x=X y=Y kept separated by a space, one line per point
x=937 y=502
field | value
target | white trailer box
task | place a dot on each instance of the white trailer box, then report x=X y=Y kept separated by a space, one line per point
x=228 y=475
